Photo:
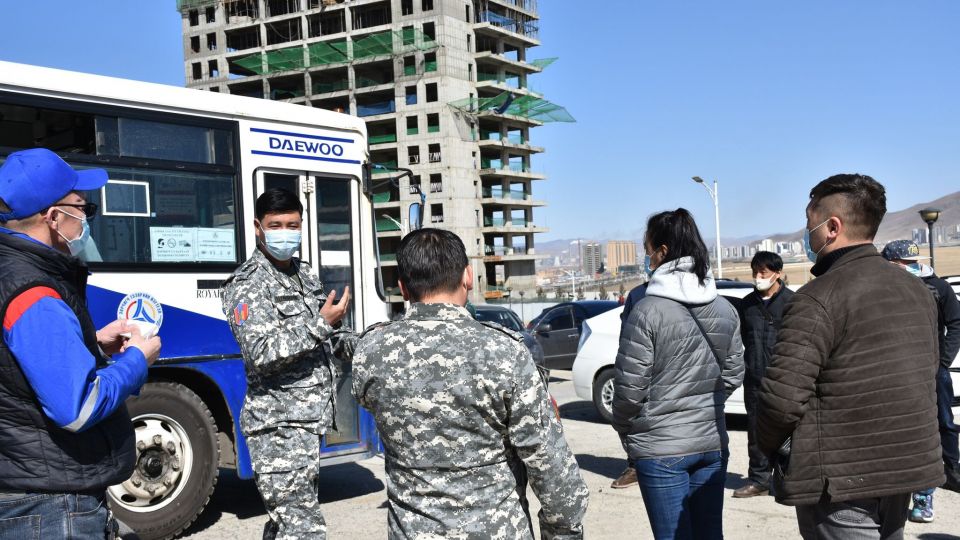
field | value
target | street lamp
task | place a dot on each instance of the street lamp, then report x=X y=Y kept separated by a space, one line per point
x=930 y=216
x=573 y=284
x=716 y=212
x=510 y=298
x=522 y=321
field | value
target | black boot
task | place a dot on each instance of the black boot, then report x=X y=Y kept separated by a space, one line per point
x=953 y=478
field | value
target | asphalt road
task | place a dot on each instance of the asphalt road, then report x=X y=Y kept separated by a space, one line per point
x=353 y=495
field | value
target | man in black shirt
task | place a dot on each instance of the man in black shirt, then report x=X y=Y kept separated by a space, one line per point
x=906 y=254
x=760 y=315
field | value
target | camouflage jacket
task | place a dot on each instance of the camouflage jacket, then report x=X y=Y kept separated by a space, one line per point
x=277 y=323
x=465 y=418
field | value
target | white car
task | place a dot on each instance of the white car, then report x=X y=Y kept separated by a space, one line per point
x=599 y=341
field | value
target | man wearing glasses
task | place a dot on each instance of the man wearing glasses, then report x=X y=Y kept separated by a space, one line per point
x=65 y=434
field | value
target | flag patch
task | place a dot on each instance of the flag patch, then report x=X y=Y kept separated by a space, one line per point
x=240 y=314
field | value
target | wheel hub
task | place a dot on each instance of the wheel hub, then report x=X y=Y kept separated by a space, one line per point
x=162 y=450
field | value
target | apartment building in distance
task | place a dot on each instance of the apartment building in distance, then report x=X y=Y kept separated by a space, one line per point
x=621 y=253
x=443 y=88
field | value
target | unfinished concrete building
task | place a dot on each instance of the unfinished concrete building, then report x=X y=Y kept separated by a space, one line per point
x=443 y=87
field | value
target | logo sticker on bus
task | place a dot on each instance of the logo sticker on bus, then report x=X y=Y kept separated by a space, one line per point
x=142 y=308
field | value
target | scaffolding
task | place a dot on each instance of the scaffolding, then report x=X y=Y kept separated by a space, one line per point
x=193 y=4
x=505 y=103
x=325 y=53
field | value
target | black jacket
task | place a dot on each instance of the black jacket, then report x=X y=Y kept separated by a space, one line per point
x=35 y=454
x=948 y=318
x=759 y=324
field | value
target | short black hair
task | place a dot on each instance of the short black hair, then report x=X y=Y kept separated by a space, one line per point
x=858 y=200
x=766 y=260
x=277 y=201
x=678 y=231
x=431 y=261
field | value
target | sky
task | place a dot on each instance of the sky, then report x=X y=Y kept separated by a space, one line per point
x=768 y=98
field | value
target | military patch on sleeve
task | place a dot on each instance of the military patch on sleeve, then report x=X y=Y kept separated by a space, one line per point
x=240 y=314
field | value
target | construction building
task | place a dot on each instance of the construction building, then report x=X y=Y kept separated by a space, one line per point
x=443 y=87
x=621 y=253
x=592 y=258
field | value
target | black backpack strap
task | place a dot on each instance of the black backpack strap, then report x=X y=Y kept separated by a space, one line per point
x=705 y=336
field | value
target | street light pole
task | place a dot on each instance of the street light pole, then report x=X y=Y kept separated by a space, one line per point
x=522 y=320
x=930 y=216
x=573 y=283
x=714 y=194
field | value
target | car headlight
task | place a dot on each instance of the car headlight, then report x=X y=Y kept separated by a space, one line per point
x=584 y=335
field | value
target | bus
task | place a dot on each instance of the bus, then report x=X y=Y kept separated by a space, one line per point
x=176 y=218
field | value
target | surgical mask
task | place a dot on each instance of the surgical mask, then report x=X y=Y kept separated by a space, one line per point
x=281 y=243
x=646 y=266
x=811 y=254
x=78 y=244
x=763 y=285
x=914 y=269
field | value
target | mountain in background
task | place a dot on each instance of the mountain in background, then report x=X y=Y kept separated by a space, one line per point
x=895 y=226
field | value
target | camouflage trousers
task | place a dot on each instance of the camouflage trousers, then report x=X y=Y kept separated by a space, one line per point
x=290 y=496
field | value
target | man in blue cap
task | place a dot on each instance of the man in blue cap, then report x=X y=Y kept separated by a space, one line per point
x=65 y=434
x=907 y=255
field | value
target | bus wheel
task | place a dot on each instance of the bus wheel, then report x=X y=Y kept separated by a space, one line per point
x=177 y=460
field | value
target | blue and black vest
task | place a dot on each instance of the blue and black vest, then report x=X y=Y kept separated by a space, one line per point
x=35 y=454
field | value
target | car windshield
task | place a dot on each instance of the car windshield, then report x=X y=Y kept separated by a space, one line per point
x=502 y=317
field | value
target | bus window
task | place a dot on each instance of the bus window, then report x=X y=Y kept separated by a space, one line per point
x=151 y=216
x=60 y=131
x=133 y=137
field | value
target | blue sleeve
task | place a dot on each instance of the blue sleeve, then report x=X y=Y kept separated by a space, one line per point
x=47 y=342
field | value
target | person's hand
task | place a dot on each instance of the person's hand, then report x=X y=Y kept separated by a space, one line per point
x=109 y=337
x=150 y=347
x=332 y=313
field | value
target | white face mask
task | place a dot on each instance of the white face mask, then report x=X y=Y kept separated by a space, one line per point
x=78 y=244
x=763 y=285
x=282 y=243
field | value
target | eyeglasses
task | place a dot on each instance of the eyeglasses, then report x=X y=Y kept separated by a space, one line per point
x=89 y=209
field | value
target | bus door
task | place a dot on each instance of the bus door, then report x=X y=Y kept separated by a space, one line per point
x=329 y=243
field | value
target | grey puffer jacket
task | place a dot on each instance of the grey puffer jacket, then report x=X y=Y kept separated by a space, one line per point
x=669 y=388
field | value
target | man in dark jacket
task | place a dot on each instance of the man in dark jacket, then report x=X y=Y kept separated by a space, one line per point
x=852 y=380
x=761 y=312
x=65 y=434
x=906 y=254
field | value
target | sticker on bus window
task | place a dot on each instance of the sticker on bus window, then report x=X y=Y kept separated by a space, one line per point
x=173 y=244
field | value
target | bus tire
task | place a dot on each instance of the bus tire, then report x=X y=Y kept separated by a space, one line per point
x=177 y=462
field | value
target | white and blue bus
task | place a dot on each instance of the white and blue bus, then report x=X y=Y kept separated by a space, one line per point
x=175 y=220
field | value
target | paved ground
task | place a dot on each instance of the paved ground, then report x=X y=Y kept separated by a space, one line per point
x=353 y=494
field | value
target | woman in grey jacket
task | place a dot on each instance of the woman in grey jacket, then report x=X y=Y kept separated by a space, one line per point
x=680 y=358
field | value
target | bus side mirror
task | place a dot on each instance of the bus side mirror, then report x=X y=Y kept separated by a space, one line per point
x=416 y=216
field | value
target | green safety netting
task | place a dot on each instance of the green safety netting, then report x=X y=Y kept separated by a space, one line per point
x=190 y=4
x=532 y=107
x=334 y=52
x=328 y=52
x=544 y=62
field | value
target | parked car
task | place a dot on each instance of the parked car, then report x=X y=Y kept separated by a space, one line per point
x=558 y=328
x=509 y=319
x=593 y=367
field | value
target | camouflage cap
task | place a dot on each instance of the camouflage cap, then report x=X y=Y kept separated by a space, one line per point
x=902 y=250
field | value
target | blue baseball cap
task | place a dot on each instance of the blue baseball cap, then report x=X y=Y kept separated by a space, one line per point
x=31 y=180
x=902 y=250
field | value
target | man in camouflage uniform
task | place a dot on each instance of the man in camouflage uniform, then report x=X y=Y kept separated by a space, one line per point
x=463 y=413
x=281 y=318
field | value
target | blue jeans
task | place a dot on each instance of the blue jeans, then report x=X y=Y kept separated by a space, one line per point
x=684 y=495
x=52 y=516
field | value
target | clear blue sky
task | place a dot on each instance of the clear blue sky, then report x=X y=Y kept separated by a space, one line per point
x=767 y=97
